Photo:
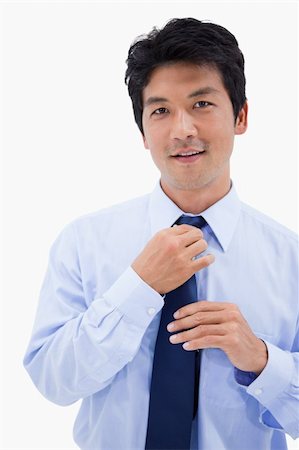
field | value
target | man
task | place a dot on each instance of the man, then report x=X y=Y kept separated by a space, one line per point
x=173 y=316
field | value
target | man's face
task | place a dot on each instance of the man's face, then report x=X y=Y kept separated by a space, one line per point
x=189 y=126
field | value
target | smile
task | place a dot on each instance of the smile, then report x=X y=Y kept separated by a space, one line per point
x=189 y=157
x=189 y=153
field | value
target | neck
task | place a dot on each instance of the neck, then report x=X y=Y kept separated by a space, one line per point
x=195 y=201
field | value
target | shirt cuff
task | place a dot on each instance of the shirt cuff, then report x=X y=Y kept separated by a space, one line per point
x=244 y=378
x=134 y=298
x=275 y=377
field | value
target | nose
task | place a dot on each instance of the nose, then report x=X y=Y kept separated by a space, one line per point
x=183 y=126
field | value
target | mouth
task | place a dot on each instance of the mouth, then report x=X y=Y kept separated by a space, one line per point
x=189 y=156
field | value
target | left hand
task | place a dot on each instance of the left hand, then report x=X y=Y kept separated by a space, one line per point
x=206 y=324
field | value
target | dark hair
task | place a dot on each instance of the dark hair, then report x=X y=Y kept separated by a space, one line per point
x=189 y=40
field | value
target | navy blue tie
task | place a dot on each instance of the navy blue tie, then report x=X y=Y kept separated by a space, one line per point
x=174 y=385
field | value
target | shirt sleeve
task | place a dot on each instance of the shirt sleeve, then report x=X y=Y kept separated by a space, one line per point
x=77 y=349
x=276 y=389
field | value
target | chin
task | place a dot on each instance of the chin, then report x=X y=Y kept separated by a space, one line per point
x=188 y=185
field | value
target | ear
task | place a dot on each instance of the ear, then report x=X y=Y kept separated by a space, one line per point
x=145 y=142
x=241 y=122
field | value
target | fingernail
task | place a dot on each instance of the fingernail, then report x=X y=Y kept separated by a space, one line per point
x=173 y=338
x=170 y=326
x=176 y=315
x=186 y=345
x=213 y=257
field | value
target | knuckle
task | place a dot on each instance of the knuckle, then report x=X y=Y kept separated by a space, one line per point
x=162 y=233
x=233 y=307
x=199 y=232
x=201 y=331
x=171 y=244
x=204 y=244
x=161 y=236
x=233 y=327
x=197 y=318
x=192 y=334
x=233 y=315
x=233 y=340
x=208 y=340
x=184 y=227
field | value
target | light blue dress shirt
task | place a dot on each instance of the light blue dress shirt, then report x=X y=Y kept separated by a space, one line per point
x=97 y=321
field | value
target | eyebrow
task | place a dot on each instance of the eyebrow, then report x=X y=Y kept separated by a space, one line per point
x=202 y=91
x=153 y=100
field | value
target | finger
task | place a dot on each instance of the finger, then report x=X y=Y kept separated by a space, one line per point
x=202 y=262
x=200 y=306
x=199 y=319
x=191 y=236
x=196 y=248
x=205 y=342
x=197 y=333
x=185 y=228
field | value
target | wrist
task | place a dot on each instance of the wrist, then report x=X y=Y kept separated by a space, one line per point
x=144 y=277
x=261 y=358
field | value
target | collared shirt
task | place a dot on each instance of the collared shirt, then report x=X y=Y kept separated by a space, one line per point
x=97 y=322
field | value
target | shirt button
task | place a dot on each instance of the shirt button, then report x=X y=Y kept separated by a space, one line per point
x=258 y=391
x=151 y=311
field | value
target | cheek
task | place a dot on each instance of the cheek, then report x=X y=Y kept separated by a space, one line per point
x=154 y=137
x=221 y=131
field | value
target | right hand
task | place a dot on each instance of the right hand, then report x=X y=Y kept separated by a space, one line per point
x=167 y=262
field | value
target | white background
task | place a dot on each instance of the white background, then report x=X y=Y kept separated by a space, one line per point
x=71 y=147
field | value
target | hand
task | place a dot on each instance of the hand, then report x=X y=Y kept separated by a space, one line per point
x=219 y=325
x=167 y=260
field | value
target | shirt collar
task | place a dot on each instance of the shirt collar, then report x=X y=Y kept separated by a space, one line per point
x=222 y=217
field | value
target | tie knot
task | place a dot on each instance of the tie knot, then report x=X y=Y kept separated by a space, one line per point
x=197 y=221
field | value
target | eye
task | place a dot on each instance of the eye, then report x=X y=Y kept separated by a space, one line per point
x=202 y=104
x=160 y=111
